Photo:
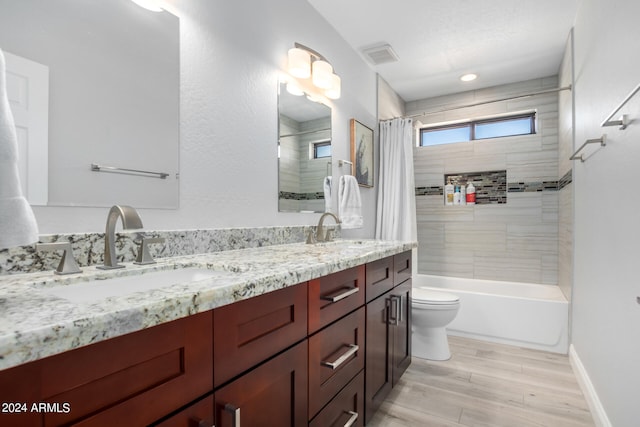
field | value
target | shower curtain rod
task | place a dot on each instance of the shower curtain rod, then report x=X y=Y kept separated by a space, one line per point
x=542 y=92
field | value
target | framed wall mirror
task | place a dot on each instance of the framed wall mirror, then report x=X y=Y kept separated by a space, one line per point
x=304 y=152
x=112 y=99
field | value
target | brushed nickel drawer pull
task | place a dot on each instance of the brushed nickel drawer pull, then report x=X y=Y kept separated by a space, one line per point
x=353 y=349
x=393 y=310
x=343 y=295
x=352 y=420
x=235 y=412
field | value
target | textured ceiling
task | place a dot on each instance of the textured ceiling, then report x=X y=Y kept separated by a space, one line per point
x=437 y=41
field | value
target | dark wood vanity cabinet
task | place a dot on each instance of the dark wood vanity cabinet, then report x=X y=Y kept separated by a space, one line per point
x=318 y=354
x=388 y=337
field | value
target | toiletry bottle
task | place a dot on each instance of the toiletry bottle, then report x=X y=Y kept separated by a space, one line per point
x=463 y=194
x=448 y=193
x=456 y=195
x=471 y=194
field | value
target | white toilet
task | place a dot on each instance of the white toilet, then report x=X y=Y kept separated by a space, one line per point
x=431 y=312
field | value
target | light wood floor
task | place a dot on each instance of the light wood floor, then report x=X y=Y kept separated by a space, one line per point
x=486 y=384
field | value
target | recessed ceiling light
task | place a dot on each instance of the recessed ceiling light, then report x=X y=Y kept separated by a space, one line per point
x=468 y=77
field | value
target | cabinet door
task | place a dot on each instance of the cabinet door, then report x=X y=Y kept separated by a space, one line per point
x=272 y=394
x=131 y=380
x=250 y=331
x=198 y=414
x=346 y=409
x=335 y=295
x=379 y=277
x=402 y=267
x=400 y=320
x=19 y=388
x=336 y=355
x=378 y=355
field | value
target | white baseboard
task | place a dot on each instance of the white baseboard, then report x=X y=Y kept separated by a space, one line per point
x=595 y=406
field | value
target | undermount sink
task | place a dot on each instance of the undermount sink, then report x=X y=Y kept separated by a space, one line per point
x=100 y=289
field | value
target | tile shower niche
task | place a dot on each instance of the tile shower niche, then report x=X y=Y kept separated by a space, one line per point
x=491 y=186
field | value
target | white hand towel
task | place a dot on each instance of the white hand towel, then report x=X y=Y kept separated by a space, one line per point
x=349 y=203
x=17 y=223
x=327 y=183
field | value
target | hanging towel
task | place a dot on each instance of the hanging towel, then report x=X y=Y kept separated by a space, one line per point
x=17 y=223
x=349 y=203
x=327 y=194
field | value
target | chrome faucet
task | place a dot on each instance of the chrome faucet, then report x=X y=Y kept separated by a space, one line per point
x=130 y=220
x=324 y=236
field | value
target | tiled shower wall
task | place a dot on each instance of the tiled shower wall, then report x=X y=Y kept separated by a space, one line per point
x=516 y=241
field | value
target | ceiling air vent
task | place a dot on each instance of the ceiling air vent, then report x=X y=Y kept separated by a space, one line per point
x=380 y=54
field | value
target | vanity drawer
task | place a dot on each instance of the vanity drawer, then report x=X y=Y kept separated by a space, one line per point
x=250 y=331
x=401 y=267
x=334 y=296
x=336 y=355
x=134 y=379
x=347 y=406
x=379 y=277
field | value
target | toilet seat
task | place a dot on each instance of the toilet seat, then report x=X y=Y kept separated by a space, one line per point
x=428 y=296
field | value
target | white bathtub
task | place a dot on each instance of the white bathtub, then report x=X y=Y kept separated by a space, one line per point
x=521 y=314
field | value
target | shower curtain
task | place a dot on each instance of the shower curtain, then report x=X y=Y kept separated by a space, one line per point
x=396 y=218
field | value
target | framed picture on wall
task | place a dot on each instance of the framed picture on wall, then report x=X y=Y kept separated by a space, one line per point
x=362 y=153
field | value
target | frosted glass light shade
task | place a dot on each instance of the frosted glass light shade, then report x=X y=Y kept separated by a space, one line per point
x=299 y=63
x=334 y=91
x=322 y=72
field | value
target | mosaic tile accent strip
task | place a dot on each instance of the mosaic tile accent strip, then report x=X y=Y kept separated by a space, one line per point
x=491 y=186
x=566 y=179
x=532 y=187
x=301 y=196
x=429 y=191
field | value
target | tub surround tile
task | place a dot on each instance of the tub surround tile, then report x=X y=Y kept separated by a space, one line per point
x=36 y=324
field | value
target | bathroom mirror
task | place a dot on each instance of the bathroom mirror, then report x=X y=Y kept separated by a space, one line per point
x=304 y=152
x=113 y=98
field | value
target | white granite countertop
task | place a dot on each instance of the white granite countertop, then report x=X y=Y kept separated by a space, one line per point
x=35 y=324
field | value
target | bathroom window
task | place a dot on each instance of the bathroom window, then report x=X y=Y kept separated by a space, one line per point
x=521 y=124
x=321 y=149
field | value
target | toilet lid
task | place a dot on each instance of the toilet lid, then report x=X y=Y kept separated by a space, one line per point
x=427 y=296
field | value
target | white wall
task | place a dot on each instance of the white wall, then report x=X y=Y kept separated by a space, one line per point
x=606 y=316
x=231 y=56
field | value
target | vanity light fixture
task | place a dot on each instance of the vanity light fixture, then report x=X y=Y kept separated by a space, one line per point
x=152 y=5
x=306 y=63
x=468 y=77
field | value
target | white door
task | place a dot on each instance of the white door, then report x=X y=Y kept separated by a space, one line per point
x=28 y=91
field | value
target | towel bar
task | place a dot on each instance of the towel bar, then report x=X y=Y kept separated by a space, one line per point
x=624 y=119
x=99 y=168
x=602 y=140
x=342 y=162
